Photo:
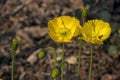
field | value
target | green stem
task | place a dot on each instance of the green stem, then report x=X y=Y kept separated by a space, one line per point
x=80 y=49
x=62 y=70
x=67 y=74
x=55 y=60
x=12 y=65
x=83 y=20
x=91 y=62
x=55 y=56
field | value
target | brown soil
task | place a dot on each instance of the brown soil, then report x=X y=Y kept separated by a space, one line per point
x=27 y=20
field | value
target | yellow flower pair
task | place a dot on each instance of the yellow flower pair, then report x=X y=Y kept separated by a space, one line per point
x=65 y=28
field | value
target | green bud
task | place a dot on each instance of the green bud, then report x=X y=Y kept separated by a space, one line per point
x=14 y=45
x=84 y=12
x=55 y=72
x=42 y=54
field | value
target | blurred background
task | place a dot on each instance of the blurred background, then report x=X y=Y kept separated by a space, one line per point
x=27 y=21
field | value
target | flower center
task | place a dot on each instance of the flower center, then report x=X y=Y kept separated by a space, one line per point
x=63 y=32
x=100 y=36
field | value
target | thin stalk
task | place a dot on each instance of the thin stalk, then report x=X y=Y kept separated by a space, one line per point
x=62 y=70
x=67 y=74
x=79 y=54
x=91 y=62
x=55 y=60
x=55 y=56
x=83 y=20
x=80 y=50
x=12 y=65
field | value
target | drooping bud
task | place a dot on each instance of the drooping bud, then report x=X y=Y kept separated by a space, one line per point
x=14 y=45
x=42 y=54
x=55 y=72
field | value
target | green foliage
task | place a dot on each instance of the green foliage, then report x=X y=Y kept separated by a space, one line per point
x=114 y=40
x=88 y=1
x=112 y=50
x=99 y=9
x=105 y=15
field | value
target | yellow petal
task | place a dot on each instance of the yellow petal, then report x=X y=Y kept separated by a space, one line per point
x=96 y=31
x=64 y=28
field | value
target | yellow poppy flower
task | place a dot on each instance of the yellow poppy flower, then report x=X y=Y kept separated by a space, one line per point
x=63 y=29
x=96 y=31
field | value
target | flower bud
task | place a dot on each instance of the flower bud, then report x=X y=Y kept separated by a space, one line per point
x=14 y=45
x=55 y=72
x=84 y=12
x=42 y=54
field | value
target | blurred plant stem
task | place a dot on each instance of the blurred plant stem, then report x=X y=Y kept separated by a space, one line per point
x=12 y=66
x=80 y=50
x=55 y=56
x=67 y=74
x=91 y=60
x=84 y=14
x=62 y=70
x=14 y=47
x=55 y=59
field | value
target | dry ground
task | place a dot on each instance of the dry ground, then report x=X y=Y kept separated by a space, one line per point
x=27 y=20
